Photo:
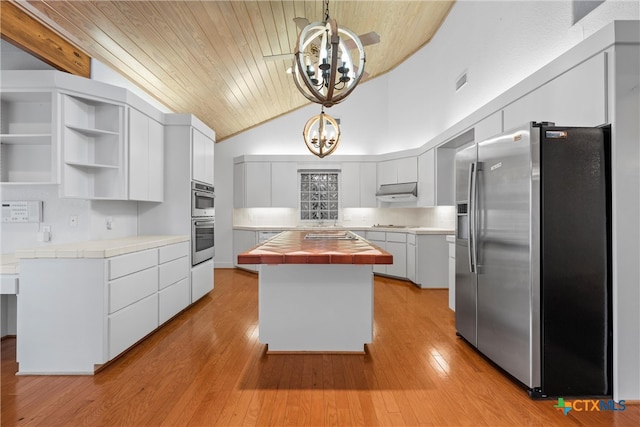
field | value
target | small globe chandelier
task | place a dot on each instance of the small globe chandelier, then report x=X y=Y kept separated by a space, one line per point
x=321 y=134
x=323 y=69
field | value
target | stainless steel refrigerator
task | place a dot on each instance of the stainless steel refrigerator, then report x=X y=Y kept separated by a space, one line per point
x=533 y=264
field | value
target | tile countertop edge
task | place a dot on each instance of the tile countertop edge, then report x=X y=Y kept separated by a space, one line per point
x=411 y=230
x=292 y=247
x=100 y=248
x=9 y=264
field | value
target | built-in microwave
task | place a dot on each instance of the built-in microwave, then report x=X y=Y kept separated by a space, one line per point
x=203 y=199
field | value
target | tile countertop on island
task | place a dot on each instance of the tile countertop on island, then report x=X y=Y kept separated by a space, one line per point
x=100 y=248
x=399 y=229
x=315 y=247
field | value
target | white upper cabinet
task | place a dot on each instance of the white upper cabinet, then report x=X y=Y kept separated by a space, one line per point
x=368 y=186
x=436 y=177
x=407 y=169
x=202 y=157
x=284 y=185
x=93 y=149
x=575 y=98
x=427 y=178
x=398 y=171
x=257 y=184
x=27 y=142
x=265 y=184
x=252 y=185
x=146 y=157
x=387 y=172
x=350 y=185
x=156 y=161
x=358 y=181
x=488 y=127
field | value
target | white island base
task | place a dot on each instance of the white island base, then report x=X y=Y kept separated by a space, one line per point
x=316 y=307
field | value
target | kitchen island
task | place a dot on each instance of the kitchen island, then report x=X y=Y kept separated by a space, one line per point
x=315 y=290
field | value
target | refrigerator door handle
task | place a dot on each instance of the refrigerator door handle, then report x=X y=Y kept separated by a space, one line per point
x=471 y=217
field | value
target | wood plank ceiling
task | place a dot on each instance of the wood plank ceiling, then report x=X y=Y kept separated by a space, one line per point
x=207 y=57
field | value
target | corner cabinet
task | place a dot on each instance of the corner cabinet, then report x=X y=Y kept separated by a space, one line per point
x=28 y=146
x=93 y=165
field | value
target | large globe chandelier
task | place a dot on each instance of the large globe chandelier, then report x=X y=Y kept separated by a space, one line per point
x=324 y=68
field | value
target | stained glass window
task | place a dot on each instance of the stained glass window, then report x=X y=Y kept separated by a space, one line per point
x=318 y=196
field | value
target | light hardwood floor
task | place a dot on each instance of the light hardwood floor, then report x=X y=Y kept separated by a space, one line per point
x=206 y=367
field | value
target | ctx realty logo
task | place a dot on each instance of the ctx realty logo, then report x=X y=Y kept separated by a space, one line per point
x=596 y=405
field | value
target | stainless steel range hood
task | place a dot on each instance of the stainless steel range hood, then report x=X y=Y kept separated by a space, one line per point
x=404 y=192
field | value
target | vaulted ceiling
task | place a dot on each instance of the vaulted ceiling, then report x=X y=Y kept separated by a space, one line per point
x=208 y=57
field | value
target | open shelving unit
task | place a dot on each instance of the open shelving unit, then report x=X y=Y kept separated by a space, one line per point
x=93 y=148
x=27 y=143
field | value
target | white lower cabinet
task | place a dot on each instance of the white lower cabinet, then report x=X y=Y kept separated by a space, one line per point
x=141 y=300
x=173 y=280
x=201 y=280
x=243 y=240
x=173 y=271
x=96 y=308
x=379 y=239
x=420 y=258
x=173 y=299
x=132 y=323
x=131 y=288
x=452 y=273
x=411 y=257
x=397 y=246
x=432 y=267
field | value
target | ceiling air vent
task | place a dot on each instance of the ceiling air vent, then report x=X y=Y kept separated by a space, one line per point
x=461 y=81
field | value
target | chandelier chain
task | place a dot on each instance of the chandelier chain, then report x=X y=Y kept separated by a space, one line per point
x=326 y=10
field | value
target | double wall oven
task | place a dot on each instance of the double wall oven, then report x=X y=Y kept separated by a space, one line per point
x=202 y=222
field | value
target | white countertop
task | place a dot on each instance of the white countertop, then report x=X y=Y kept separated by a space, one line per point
x=408 y=229
x=100 y=248
x=9 y=264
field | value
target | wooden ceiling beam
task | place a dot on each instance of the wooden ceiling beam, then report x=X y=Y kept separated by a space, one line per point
x=25 y=32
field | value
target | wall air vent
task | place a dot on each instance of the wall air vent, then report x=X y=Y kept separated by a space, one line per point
x=461 y=81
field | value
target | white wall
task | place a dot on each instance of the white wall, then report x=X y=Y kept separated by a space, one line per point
x=13 y=58
x=56 y=212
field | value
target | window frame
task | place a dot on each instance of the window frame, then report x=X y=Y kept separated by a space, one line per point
x=329 y=195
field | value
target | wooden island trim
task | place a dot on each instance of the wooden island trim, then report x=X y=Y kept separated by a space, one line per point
x=291 y=247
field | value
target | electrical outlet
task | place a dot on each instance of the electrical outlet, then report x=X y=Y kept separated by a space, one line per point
x=44 y=235
x=73 y=220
